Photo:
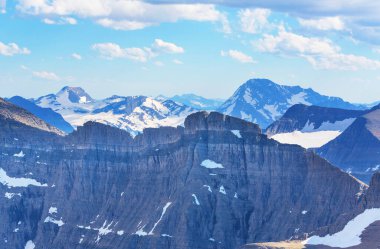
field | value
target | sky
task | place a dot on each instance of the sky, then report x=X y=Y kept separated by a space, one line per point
x=209 y=47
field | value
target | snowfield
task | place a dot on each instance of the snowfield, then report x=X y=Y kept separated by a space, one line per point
x=350 y=235
x=306 y=139
x=18 y=182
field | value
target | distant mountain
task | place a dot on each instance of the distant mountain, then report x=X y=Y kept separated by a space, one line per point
x=357 y=149
x=14 y=118
x=311 y=126
x=262 y=101
x=46 y=114
x=132 y=113
x=198 y=102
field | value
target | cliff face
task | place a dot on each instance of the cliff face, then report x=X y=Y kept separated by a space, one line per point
x=357 y=149
x=302 y=117
x=215 y=183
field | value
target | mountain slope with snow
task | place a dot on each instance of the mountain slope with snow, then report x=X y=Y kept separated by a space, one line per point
x=132 y=113
x=311 y=126
x=357 y=149
x=262 y=101
x=198 y=102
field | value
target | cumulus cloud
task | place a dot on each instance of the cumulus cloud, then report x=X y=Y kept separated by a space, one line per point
x=46 y=75
x=125 y=14
x=113 y=50
x=361 y=16
x=325 y=23
x=167 y=47
x=76 y=56
x=321 y=53
x=253 y=20
x=11 y=49
x=237 y=55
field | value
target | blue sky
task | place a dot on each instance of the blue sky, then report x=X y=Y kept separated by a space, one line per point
x=130 y=47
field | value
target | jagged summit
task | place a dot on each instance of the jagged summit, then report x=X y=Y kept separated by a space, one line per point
x=263 y=101
x=75 y=94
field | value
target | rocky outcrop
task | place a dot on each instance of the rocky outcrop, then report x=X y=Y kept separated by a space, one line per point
x=312 y=118
x=46 y=114
x=218 y=182
x=356 y=150
x=12 y=115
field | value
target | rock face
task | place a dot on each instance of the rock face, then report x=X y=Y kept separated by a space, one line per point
x=11 y=116
x=215 y=183
x=305 y=118
x=262 y=101
x=46 y=114
x=357 y=149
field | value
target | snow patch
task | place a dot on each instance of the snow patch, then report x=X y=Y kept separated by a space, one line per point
x=236 y=133
x=211 y=164
x=208 y=188
x=306 y=139
x=196 y=199
x=350 y=235
x=304 y=212
x=222 y=190
x=11 y=195
x=162 y=215
x=20 y=154
x=30 y=245
x=18 y=182
x=299 y=98
x=54 y=221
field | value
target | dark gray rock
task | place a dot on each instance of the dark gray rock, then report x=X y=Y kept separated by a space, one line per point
x=105 y=189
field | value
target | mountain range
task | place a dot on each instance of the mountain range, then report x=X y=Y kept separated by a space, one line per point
x=262 y=101
x=259 y=101
x=131 y=113
x=217 y=182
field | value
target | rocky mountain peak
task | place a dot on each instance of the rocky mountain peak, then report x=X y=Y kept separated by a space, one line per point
x=75 y=94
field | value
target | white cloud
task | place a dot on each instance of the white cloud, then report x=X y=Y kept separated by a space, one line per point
x=112 y=50
x=178 y=62
x=321 y=53
x=237 y=55
x=3 y=4
x=60 y=21
x=253 y=20
x=11 y=49
x=76 y=56
x=124 y=14
x=167 y=47
x=325 y=23
x=46 y=75
x=123 y=24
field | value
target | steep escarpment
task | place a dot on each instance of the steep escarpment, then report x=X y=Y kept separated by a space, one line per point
x=215 y=183
x=313 y=118
x=357 y=149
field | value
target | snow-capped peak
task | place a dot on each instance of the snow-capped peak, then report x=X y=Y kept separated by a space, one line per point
x=74 y=95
